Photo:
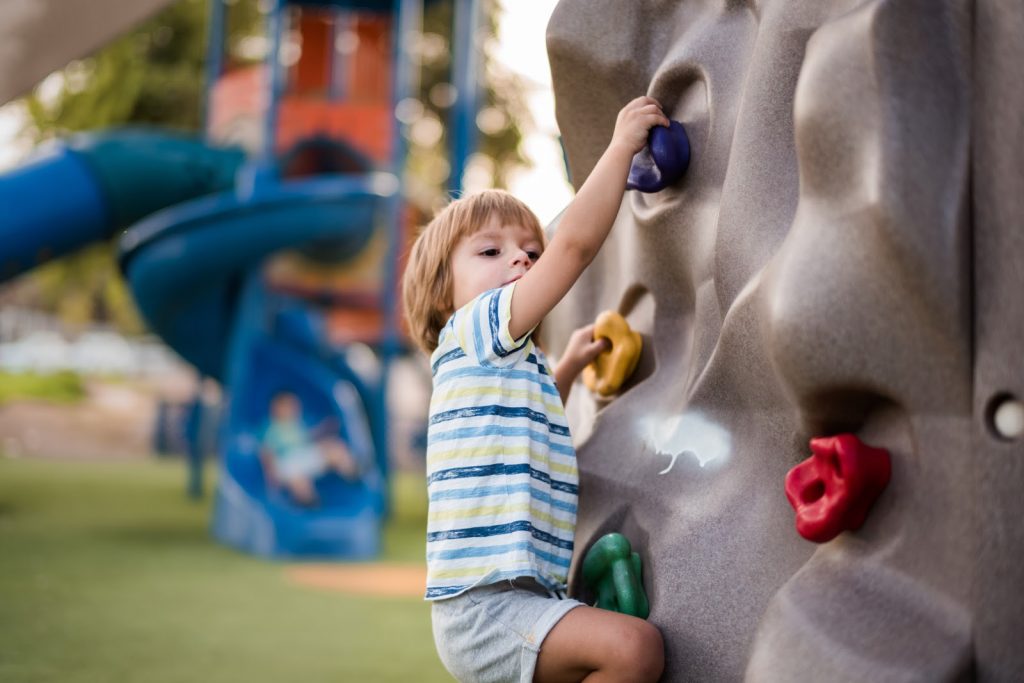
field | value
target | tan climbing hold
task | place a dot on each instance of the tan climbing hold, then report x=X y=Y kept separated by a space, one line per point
x=607 y=373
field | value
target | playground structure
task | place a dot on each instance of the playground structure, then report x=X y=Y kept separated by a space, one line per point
x=206 y=224
x=842 y=257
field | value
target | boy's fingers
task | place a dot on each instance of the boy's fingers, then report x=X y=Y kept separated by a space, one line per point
x=582 y=335
x=650 y=115
x=646 y=110
x=655 y=119
x=641 y=101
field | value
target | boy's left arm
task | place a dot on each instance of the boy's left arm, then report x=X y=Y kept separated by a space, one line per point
x=581 y=350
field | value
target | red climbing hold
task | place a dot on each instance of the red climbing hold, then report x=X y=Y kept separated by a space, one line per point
x=833 y=490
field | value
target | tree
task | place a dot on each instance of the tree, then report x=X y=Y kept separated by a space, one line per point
x=503 y=110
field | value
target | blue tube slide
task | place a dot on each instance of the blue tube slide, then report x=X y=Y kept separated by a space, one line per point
x=185 y=264
x=195 y=270
x=51 y=206
x=87 y=188
x=253 y=516
x=194 y=241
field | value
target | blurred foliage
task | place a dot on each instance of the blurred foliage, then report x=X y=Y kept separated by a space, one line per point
x=60 y=387
x=154 y=75
x=501 y=103
x=86 y=287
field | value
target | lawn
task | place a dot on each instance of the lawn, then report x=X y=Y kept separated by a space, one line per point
x=60 y=387
x=108 y=574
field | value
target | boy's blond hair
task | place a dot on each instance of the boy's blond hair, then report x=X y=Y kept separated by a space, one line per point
x=427 y=283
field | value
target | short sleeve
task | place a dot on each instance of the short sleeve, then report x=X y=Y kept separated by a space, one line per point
x=269 y=438
x=481 y=329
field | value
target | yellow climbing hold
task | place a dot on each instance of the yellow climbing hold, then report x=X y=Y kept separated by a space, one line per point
x=606 y=374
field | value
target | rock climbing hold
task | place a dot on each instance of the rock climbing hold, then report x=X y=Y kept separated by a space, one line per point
x=613 y=572
x=606 y=374
x=833 y=490
x=663 y=161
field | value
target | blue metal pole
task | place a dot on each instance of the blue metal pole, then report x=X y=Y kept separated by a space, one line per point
x=214 y=56
x=194 y=438
x=407 y=31
x=408 y=25
x=462 y=137
x=275 y=71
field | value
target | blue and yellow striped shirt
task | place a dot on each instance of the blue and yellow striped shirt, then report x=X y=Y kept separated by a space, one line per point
x=501 y=469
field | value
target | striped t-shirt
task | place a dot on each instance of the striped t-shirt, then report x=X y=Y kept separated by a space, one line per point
x=501 y=469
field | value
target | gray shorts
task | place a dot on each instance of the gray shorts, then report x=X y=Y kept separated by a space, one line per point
x=493 y=633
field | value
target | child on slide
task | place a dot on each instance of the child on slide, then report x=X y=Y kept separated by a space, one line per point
x=293 y=457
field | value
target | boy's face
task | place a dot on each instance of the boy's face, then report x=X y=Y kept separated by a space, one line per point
x=491 y=257
x=285 y=407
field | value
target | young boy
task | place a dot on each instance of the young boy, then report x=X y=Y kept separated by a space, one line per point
x=502 y=478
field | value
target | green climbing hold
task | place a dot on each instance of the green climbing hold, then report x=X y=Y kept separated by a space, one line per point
x=612 y=571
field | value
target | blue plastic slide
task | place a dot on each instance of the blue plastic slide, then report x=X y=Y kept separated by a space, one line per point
x=195 y=272
x=201 y=225
x=89 y=187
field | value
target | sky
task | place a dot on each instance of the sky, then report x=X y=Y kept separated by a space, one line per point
x=520 y=48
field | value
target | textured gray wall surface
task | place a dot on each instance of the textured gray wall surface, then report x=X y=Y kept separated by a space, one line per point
x=41 y=36
x=844 y=254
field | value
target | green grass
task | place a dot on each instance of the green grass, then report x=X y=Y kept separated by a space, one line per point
x=60 y=387
x=108 y=574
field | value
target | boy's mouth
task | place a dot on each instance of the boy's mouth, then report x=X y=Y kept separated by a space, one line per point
x=508 y=282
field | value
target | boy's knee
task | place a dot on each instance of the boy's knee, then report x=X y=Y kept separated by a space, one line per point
x=652 y=653
x=643 y=651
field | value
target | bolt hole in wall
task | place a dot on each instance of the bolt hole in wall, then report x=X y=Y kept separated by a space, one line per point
x=1004 y=417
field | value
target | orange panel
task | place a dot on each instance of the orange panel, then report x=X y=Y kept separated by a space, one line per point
x=366 y=127
x=369 y=69
x=313 y=71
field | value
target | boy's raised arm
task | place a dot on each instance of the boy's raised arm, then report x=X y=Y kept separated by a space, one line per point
x=586 y=222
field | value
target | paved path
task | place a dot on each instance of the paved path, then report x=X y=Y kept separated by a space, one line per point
x=115 y=420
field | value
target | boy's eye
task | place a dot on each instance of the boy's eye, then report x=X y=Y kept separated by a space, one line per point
x=489 y=252
x=534 y=255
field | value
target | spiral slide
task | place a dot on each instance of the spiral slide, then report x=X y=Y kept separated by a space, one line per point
x=201 y=224
x=195 y=272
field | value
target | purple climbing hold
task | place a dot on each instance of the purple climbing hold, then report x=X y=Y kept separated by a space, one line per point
x=663 y=161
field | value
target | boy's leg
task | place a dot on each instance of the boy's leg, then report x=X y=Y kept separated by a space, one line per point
x=302 y=490
x=339 y=458
x=596 y=645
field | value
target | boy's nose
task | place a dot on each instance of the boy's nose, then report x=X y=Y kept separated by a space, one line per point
x=521 y=258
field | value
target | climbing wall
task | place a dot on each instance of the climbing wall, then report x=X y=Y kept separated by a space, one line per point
x=842 y=257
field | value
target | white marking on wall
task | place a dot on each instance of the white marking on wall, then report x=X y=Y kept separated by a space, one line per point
x=690 y=433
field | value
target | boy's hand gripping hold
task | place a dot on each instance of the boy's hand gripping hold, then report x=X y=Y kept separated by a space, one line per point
x=587 y=221
x=581 y=350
